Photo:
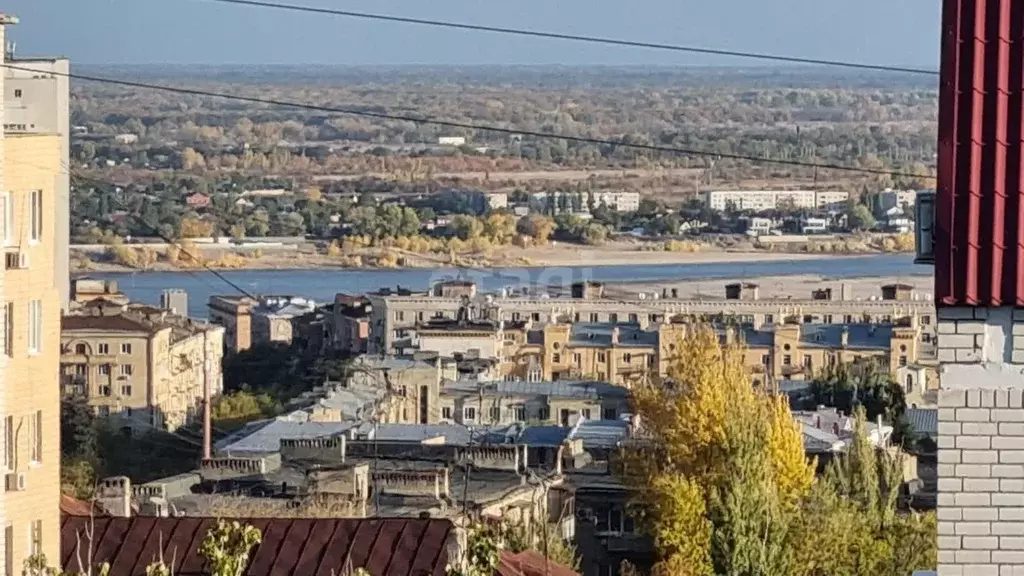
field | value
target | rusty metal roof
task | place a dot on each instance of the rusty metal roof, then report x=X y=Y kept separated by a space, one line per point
x=290 y=547
x=979 y=232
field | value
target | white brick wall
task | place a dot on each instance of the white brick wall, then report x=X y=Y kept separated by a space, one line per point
x=981 y=442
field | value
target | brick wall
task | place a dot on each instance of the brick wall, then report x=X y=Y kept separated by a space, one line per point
x=981 y=442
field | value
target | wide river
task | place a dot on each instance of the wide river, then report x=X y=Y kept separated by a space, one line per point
x=322 y=284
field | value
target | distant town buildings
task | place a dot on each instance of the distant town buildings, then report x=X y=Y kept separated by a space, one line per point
x=889 y=199
x=761 y=200
x=451 y=140
x=562 y=202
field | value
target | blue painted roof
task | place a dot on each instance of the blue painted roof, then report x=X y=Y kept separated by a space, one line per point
x=860 y=336
x=925 y=421
x=600 y=334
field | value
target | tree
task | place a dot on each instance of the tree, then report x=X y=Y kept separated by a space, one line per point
x=191 y=227
x=227 y=546
x=860 y=218
x=849 y=386
x=500 y=227
x=721 y=471
x=594 y=234
x=537 y=227
x=465 y=227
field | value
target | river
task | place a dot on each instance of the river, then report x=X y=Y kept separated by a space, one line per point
x=322 y=284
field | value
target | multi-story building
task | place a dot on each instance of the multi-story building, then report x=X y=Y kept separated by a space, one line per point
x=884 y=201
x=31 y=179
x=579 y=202
x=761 y=200
x=395 y=316
x=36 y=96
x=625 y=354
x=249 y=322
x=145 y=365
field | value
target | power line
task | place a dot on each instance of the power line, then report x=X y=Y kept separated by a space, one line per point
x=484 y=128
x=581 y=38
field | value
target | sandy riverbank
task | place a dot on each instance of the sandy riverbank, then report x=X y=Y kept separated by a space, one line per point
x=559 y=255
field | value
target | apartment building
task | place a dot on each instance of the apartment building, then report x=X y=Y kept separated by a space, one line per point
x=396 y=315
x=144 y=365
x=761 y=200
x=36 y=101
x=250 y=322
x=884 y=201
x=31 y=301
x=566 y=202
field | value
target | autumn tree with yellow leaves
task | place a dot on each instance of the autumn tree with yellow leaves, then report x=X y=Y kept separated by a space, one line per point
x=723 y=486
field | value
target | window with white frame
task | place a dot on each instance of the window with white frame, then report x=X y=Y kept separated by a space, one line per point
x=37 y=437
x=36 y=214
x=126 y=370
x=35 y=326
x=126 y=348
x=469 y=413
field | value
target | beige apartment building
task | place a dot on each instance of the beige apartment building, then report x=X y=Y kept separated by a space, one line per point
x=30 y=401
x=395 y=315
x=144 y=365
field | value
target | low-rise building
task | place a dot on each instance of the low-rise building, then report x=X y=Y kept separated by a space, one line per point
x=764 y=200
x=143 y=364
x=563 y=403
x=250 y=322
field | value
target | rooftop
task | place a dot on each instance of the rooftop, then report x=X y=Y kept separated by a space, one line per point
x=584 y=389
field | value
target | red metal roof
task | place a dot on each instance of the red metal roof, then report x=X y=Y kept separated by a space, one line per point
x=290 y=547
x=979 y=223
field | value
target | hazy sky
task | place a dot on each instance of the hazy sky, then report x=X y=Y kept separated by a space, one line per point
x=903 y=32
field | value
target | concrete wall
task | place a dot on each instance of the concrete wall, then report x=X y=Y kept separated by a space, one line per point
x=981 y=442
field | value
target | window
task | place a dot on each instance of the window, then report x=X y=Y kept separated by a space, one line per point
x=419 y=316
x=126 y=369
x=9 y=329
x=403 y=392
x=910 y=384
x=545 y=413
x=515 y=317
x=126 y=348
x=9 y=550
x=105 y=369
x=399 y=316
x=609 y=414
x=926 y=320
x=535 y=316
x=104 y=389
x=613 y=318
x=601 y=357
x=103 y=348
x=807 y=360
x=37 y=436
x=848 y=319
x=424 y=404
x=10 y=449
x=495 y=413
x=126 y=390
x=520 y=413
x=627 y=358
x=556 y=358
x=634 y=319
x=17 y=93
x=808 y=319
x=80 y=349
x=446 y=412
x=35 y=326
x=8 y=219
x=36 y=537
x=469 y=413
x=768 y=319
x=787 y=360
x=594 y=317
x=827 y=319
x=576 y=317
x=36 y=224
x=766 y=359
x=81 y=369
x=903 y=360
x=577 y=358
x=585 y=413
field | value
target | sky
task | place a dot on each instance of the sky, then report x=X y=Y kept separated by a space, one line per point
x=898 y=32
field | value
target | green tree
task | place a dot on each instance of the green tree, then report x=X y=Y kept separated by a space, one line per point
x=849 y=386
x=466 y=227
x=859 y=217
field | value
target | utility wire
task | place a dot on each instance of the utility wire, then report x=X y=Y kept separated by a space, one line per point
x=470 y=126
x=580 y=38
x=156 y=231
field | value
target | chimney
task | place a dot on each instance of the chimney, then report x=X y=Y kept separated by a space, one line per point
x=114 y=494
x=844 y=337
x=615 y=335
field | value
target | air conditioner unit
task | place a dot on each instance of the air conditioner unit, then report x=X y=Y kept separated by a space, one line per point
x=15 y=481
x=16 y=260
x=924 y=235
